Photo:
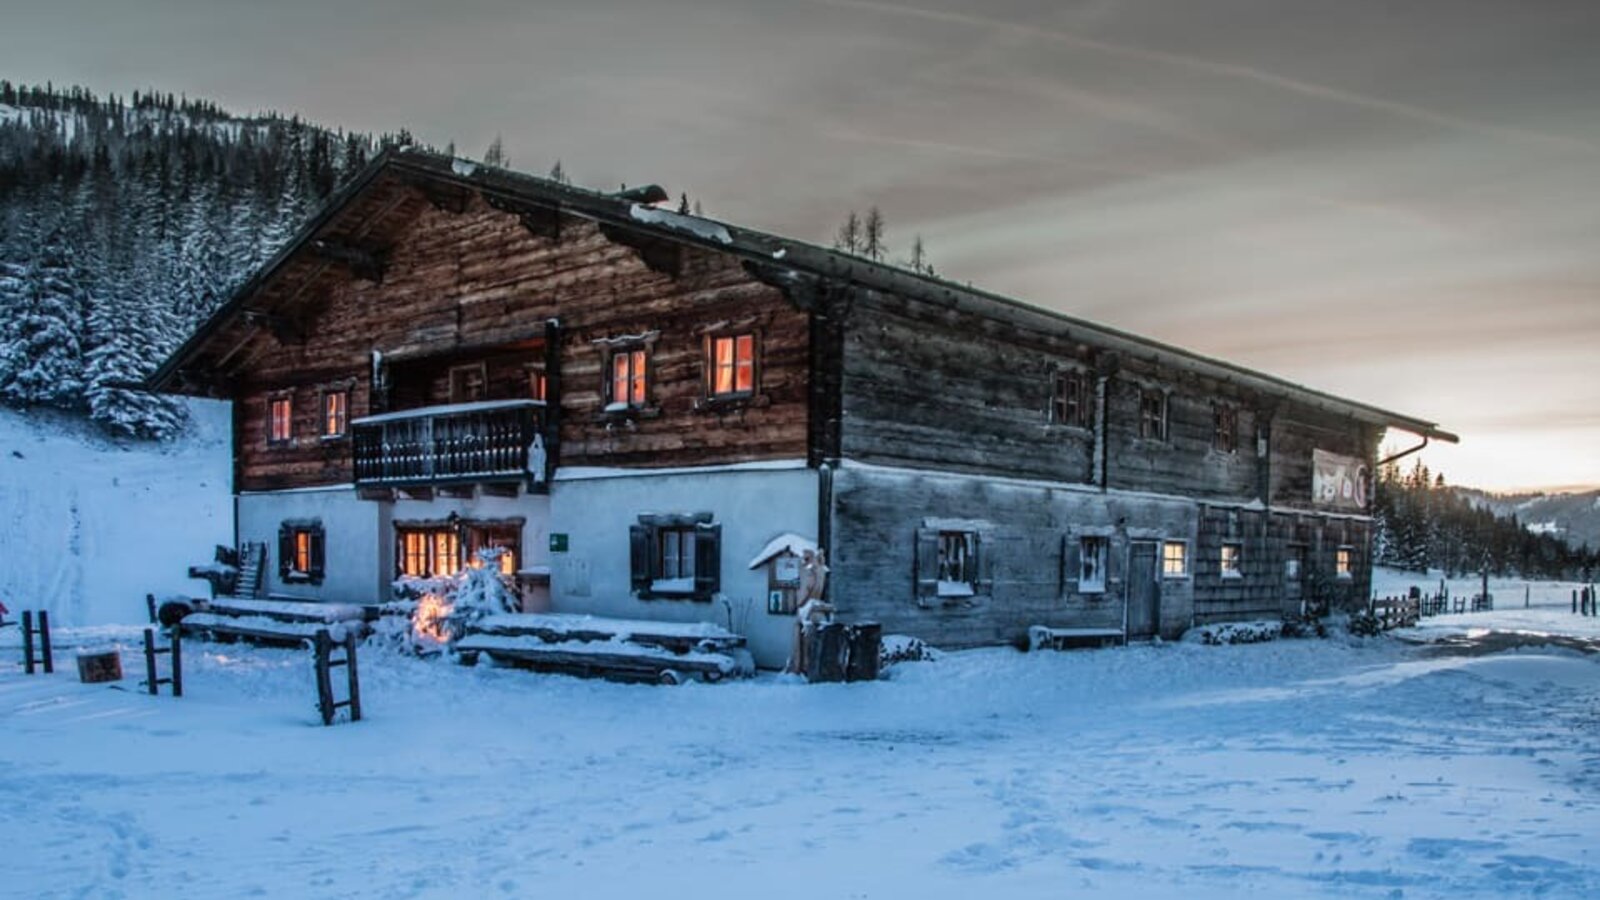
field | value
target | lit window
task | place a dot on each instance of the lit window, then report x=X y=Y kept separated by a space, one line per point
x=426 y=552
x=536 y=385
x=280 y=420
x=733 y=365
x=1343 y=562
x=335 y=413
x=1092 y=564
x=627 y=385
x=1232 y=561
x=1174 y=559
x=1070 y=404
x=1153 y=414
x=301 y=551
x=505 y=537
x=1224 y=428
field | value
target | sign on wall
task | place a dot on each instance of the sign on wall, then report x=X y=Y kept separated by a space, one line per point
x=1338 y=480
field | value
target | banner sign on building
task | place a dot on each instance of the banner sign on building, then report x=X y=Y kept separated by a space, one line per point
x=1339 y=481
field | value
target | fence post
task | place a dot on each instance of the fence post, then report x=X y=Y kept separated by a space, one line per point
x=150 y=661
x=324 y=684
x=355 y=681
x=28 y=638
x=44 y=641
x=150 y=606
x=177 y=662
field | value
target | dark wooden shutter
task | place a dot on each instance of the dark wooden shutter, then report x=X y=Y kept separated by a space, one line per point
x=707 y=560
x=925 y=564
x=285 y=551
x=318 y=553
x=1064 y=570
x=639 y=556
x=983 y=557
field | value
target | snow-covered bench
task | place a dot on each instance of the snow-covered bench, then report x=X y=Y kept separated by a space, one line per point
x=272 y=621
x=1043 y=637
x=620 y=649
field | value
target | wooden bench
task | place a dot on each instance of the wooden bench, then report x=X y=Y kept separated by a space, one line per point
x=282 y=622
x=1043 y=637
x=617 y=649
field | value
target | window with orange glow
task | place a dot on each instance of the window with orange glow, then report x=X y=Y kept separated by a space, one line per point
x=427 y=552
x=505 y=536
x=733 y=365
x=302 y=551
x=536 y=386
x=628 y=378
x=280 y=420
x=1344 y=563
x=335 y=413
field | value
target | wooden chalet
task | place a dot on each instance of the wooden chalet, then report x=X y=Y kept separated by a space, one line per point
x=634 y=402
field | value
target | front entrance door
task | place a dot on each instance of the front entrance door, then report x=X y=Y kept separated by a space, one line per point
x=1144 y=598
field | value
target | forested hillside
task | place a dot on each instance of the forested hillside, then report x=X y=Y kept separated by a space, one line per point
x=126 y=220
x=1424 y=523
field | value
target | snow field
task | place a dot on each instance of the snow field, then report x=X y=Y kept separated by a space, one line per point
x=1292 y=768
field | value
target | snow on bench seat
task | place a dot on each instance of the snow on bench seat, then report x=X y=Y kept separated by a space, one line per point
x=609 y=658
x=1042 y=637
x=679 y=637
x=287 y=610
x=265 y=629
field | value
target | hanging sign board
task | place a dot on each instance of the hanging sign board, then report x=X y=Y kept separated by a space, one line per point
x=1338 y=481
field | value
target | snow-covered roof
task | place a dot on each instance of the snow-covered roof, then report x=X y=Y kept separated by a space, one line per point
x=788 y=541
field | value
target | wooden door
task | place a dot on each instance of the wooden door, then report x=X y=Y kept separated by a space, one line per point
x=1144 y=597
x=1294 y=576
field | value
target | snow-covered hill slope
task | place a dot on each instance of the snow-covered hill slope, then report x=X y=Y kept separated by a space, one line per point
x=91 y=525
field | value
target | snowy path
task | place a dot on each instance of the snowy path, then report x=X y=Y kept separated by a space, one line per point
x=1287 y=769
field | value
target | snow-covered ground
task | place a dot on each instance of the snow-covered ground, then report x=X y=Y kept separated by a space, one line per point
x=91 y=525
x=1339 y=767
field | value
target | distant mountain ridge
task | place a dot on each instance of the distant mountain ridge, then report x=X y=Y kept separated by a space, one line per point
x=1574 y=517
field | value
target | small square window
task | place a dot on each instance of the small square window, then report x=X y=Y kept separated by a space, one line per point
x=280 y=419
x=1174 y=559
x=957 y=564
x=1344 y=562
x=1092 y=553
x=1232 y=561
x=1153 y=414
x=469 y=383
x=301 y=552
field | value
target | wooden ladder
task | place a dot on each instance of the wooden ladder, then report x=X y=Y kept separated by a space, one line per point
x=252 y=559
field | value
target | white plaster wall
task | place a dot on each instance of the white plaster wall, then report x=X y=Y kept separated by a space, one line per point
x=751 y=506
x=354 y=536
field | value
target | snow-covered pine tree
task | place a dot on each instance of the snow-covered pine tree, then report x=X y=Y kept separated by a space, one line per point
x=46 y=331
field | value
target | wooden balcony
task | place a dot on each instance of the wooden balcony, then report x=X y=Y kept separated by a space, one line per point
x=488 y=441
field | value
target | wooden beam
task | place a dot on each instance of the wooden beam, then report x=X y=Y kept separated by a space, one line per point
x=364 y=263
x=657 y=254
x=543 y=221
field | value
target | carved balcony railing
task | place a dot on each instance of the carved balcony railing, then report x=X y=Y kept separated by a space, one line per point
x=464 y=442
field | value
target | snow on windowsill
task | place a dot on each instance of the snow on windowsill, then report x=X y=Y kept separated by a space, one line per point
x=955 y=589
x=672 y=586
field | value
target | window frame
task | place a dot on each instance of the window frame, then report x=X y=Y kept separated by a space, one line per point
x=640 y=375
x=302 y=551
x=1182 y=558
x=1102 y=557
x=1230 y=566
x=713 y=367
x=1224 y=428
x=698 y=542
x=1344 y=562
x=342 y=394
x=1072 y=398
x=1155 y=424
x=286 y=400
x=429 y=537
x=452 y=384
x=480 y=534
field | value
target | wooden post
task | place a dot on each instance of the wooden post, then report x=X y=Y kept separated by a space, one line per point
x=44 y=641
x=323 y=644
x=1527 y=595
x=150 y=661
x=177 y=662
x=1574 y=602
x=28 y=638
x=355 y=681
x=150 y=606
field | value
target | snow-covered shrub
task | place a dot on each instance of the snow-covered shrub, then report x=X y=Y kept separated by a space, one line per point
x=440 y=608
x=1303 y=626
x=1365 y=624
